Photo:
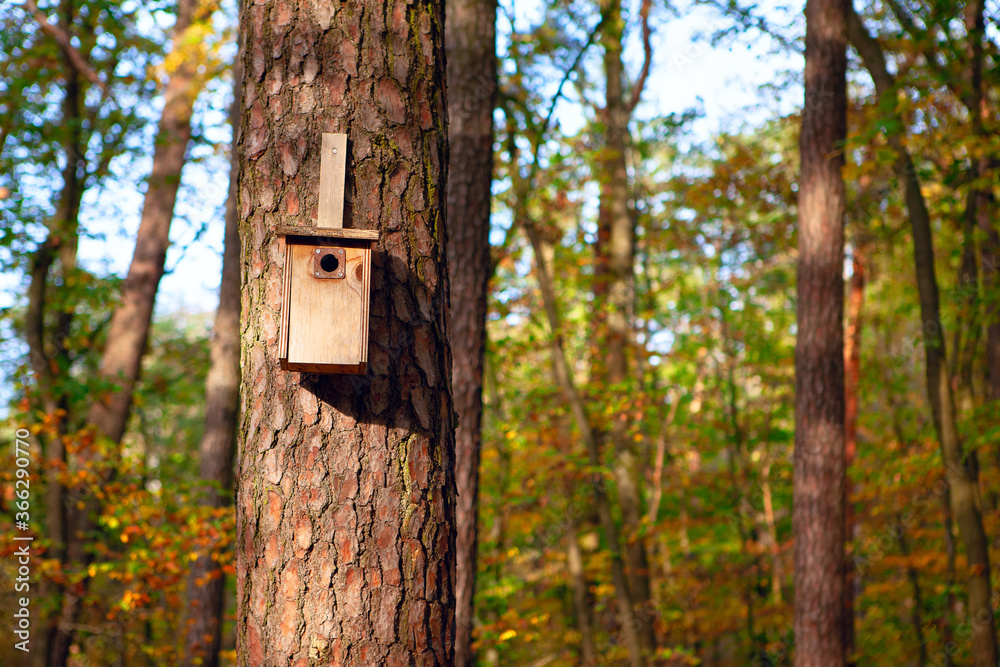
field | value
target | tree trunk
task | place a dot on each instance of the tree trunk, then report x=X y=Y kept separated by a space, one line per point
x=472 y=73
x=614 y=293
x=852 y=380
x=564 y=380
x=961 y=469
x=122 y=358
x=206 y=581
x=345 y=492
x=916 y=616
x=818 y=504
x=60 y=245
x=581 y=596
x=130 y=322
x=980 y=201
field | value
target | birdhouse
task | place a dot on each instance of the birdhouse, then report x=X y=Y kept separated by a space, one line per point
x=327 y=280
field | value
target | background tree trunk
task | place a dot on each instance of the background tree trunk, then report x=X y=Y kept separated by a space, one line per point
x=614 y=295
x=206 y=581
x=961 y=469
x=472 y=84
x=564 y=380
x=121 y=360
x=345 y=493
x=58 y=249
x=818 y=506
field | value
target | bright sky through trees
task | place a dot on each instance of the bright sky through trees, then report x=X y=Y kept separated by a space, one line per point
x=723 y=81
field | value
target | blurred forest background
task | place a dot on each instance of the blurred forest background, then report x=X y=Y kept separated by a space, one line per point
x=687 y=386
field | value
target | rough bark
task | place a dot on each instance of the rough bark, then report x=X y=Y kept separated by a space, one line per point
x=852 y=379
x=818 y=495
x=345 y=493
x=206 y=582
x=614 y=294
x=961 y=469
x=130 y=322
x=472 y=84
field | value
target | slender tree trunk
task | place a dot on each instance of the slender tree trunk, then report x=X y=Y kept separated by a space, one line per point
x=58 y=249
x=614 y=292
x=564 y=380
x=980 y=200
x=129 y=328
x=130 y=322
x=818 y=505
x=345 y=494
x=961 y=469
x=968 y=321
x=581 y=597
x=916 y=616
x=852 y=379
x=777 y=571
x=206 y=581
x=471 y=51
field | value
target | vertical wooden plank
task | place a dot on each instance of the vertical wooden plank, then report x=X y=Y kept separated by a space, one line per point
x=332 y=179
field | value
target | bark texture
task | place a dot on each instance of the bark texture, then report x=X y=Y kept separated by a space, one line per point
x=472 y=84
x=818 y=505
x=206 y=582
x=961 y=469
x=345 y=491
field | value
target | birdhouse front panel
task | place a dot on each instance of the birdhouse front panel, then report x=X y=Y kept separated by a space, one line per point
x=325 y=310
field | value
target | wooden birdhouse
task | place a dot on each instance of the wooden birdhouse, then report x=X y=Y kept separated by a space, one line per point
x=327 y=280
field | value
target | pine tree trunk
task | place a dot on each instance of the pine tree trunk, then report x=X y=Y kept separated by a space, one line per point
x=961 y=469
x=206 y=581
x=345 y=492
x=818 y=504
x=472 y=72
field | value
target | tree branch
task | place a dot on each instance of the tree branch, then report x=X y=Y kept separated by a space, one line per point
x=647 y=49
x=65 y=45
